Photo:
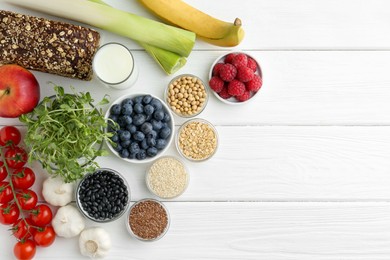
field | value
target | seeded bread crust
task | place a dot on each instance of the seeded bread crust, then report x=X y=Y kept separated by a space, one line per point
x=45 y=45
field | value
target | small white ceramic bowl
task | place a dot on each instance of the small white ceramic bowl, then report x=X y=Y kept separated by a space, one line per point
x=233 y=100
x=170 y=124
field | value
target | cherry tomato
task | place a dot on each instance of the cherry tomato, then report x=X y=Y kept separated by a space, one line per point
x=9 y=214
x=44 y=236
x=10 y=135
x=41 y=215
x=3 y=171
x=23 y=178
x=27 y=199
x=6 y=194
x=23 y=229
x=16 y=157
x=25 y=249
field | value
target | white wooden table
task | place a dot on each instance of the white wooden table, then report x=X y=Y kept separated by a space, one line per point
x=301 y=173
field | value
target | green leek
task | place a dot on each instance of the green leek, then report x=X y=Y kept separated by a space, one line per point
x=168 y=45
x=169 y=62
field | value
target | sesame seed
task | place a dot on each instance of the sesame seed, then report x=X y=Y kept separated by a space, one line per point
x=167 y=177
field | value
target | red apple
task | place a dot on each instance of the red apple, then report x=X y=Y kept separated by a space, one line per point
x=19 y=91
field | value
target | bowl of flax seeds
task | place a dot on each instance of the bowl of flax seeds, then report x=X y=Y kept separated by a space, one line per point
x=148 y=220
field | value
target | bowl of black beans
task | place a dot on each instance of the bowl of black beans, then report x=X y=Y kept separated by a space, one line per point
x=141 y=126
x=103 y=196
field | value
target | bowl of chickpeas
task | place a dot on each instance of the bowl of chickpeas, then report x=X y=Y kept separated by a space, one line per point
x=186 y=95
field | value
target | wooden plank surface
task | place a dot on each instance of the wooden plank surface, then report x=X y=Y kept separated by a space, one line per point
x=247 y=230
x=300 y=88
x=303 y=171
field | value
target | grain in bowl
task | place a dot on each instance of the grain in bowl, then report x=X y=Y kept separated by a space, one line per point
x=197 y=140
x=167 y=177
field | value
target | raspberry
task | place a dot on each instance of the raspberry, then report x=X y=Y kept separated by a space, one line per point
x=227 y=72
x=224 y=93
x=216 y=68
x=252 y=64
x=244 y=74
x=216 y=84
x=236 y=88
x=240 y=60
x=229 y=58
x=255 y=84
x=244 y=97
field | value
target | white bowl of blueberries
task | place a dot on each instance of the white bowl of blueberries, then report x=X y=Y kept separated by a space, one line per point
x=143 y=128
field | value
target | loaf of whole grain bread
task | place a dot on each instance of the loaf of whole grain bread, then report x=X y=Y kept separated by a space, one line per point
x=45 y=45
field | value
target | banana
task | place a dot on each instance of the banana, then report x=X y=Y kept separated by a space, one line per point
x=208 y=28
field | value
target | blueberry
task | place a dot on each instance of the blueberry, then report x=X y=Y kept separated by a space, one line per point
x=141 y=155
x=139 y=119
x=138 y=99
x=156 y=104
x=117 y=147
x=127 y=109
x=118 y=132
x=115 y=109
x=121 y=122
x=138 y=136
x=124 y=153
x=138 y=108
x=124 y=135
x=152 y=134
x=146 y=127
x=132 y=155
x=160 y=144
x=127 y=101
x=146 y=99
x=166 y=118
x=125 y=144
x=112 y=123
x=114 y=138
x=148 y=109
x=151 y=151
x=144 y=144
x=134 y=148
x=151 y=141
x=131 y=128
x=125 y=119
x=157 y=125
x=165 y=132
x=158 y=115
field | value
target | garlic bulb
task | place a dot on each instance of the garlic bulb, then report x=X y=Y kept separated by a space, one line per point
x=56 y=192
x=94 y=242
x=68 y=222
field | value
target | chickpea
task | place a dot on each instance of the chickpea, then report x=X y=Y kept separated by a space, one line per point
x=186 y=95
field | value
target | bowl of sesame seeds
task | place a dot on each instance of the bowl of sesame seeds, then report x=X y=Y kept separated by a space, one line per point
x=167 y=177
x=197 y=140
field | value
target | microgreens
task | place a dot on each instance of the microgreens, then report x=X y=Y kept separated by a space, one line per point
x=65 y=133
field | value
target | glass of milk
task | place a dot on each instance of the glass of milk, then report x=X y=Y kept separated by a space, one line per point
x=113 y=64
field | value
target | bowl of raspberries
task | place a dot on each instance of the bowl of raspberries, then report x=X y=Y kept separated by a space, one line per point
x=142 y=127
x=235 y=78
